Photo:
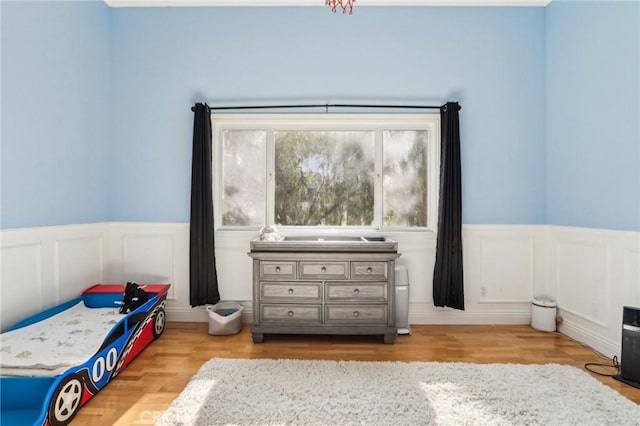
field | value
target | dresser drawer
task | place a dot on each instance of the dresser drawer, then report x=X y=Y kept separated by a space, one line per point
x=324 y=270
x=277 y=270
x=291 y=291
x=373 y=292
x=291 y=313
x=369 y=270
x=355 y=314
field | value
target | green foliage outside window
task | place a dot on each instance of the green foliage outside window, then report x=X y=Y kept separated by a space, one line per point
x=324 y=178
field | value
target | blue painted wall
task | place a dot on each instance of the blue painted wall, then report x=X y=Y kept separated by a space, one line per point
x=96 y=123
x=55 y=107
x=593 y=114
x=489 y=59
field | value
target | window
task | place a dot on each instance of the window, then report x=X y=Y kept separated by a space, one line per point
x=324 y=178
x=331 y=170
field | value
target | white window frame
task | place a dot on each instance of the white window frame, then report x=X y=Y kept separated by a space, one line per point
x=328 y=122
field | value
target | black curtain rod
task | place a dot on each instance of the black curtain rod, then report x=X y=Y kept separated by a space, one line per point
x=326 y=106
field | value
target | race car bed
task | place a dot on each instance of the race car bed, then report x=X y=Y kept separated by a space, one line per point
x=52 y=363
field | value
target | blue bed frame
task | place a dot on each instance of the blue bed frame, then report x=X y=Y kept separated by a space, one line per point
x=56 y=400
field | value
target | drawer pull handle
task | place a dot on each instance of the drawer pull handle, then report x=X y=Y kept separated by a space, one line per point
x=277 y=269
x=290 y=313
x=356 y=291
x=369 y=270
x=323 y=269
x=290 y=291
x=356 y=313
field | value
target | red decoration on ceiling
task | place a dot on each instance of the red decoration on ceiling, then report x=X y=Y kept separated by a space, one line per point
x=345 y=5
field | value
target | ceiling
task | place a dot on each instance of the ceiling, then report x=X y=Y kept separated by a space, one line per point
x=358 y=3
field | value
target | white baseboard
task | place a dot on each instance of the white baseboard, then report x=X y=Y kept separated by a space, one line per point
x=598 y=343
x=199 y=314
x=180 y=314
x=440 y=317
x=470 y=318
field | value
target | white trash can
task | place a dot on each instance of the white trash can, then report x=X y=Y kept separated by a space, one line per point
x=402 y=299
x=543 y=313
x=225 y=318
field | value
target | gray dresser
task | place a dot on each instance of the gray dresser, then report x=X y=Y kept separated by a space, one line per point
x=315 y=285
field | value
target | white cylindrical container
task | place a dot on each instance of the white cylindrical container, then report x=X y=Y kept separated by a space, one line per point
x=402 y=299
x=543 y=313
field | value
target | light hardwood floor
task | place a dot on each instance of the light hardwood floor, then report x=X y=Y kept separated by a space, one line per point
x=149 y=384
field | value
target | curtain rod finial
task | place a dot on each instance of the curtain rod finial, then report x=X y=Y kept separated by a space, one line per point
x=444 y=107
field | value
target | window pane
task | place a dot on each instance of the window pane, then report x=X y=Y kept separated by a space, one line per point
x=404 y=183
x=324 y=178
x=244 y=162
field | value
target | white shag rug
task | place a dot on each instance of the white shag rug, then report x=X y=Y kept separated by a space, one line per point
x=296 y=392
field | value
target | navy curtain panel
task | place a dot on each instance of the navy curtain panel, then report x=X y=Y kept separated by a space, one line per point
x=447 y=275
x=203 y=284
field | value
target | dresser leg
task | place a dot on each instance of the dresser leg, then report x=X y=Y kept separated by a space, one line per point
x=389 y=339
x=257 y=337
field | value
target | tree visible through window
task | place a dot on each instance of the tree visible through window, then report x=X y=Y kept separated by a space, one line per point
x=324 y=178
x=404 y=188
x=244 y=167
x=318 y=171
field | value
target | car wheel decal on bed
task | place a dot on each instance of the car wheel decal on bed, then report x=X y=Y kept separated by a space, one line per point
x=158 y=325
x=134 y=337
x=66 y=401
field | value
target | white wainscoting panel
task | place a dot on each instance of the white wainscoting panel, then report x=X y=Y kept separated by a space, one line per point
x=591 y=273
x=234 y=266
x=21 y=292
x=151 y=253
x=517 y=248
x=159 y=253
x=148 y=258
x=418 y=255
x=594 y=273
x=631 y=276
x=506 y=269
x=44 y=266
x=502 y=264
x=78 y=262
x=582 y=270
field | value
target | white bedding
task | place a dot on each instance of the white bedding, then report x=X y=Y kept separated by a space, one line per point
x=49 y=347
